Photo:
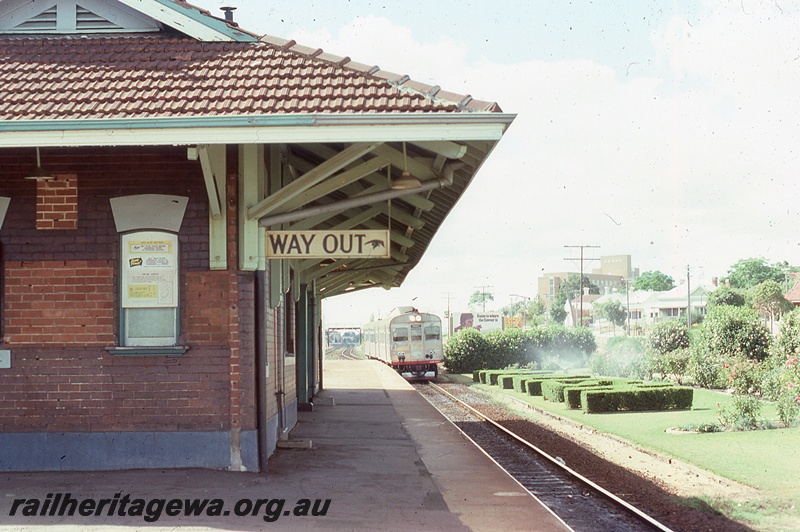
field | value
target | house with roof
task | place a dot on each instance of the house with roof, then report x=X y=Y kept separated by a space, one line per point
x=793 y=294
x=647 y=307
x=163 y=175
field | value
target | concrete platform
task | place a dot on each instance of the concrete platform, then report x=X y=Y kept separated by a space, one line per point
x=382 y=455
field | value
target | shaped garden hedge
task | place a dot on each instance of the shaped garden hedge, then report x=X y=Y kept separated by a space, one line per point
x=592 y=395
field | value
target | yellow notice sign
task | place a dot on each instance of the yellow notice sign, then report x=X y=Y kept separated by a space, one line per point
x=361 y=244
x=143 y=291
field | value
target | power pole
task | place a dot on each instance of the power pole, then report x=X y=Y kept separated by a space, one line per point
x=688 y=301
x=449 y=316
x=580 y=280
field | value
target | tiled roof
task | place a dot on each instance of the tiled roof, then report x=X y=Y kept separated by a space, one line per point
x=793 y=295
x=81 y=77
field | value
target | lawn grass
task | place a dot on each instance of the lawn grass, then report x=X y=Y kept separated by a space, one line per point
x=765 y=459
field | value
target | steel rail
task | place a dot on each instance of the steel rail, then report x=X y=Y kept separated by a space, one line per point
x=571 y=472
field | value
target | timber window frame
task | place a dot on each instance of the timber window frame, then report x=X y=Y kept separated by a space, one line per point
x=149 y=294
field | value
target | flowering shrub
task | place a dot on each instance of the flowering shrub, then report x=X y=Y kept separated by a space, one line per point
x=781 y=381
x=735 y=332
x=466 y=351
x=788 y=341
x=788 y=400
x=707 y=369
x=667 y=337
x=745 y=376
x=742 y=414
x=677 y=362
x=667 y=354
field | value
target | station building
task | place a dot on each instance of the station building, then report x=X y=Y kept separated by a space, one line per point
x=149 y=153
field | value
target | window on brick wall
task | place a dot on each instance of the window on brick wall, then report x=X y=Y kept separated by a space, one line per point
x=149 y=274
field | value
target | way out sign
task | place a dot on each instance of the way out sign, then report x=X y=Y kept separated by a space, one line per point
x=358 y=244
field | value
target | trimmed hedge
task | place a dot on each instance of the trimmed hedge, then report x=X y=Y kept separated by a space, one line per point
x=509 y=380
x=592 y=395
x=637 y=399
x=553 y=390
x=572 y=395
x=534 y=385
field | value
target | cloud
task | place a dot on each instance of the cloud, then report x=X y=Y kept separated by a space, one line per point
x=686 y=158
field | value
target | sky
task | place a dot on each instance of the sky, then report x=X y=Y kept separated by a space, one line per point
x=664 y=130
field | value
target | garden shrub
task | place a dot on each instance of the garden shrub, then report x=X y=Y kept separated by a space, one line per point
x=745 y=376
x=707 y=369
x=787 y=343
x=553 y=390
x=520 y=380
x=572 y=395
x=735 y=332
x=562 y=347
x=742 y=413
x=781 y=376
x=677 y=362
x=467 y=351
x=493 y=375
x=505 y=348
x=506 y=380
x=534 y=385
x=667 y=337
x=637 y=399
x=667 y=351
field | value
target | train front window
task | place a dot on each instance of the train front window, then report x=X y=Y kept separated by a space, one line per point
x=416 y=333
x=400 y=335
x=432 y=333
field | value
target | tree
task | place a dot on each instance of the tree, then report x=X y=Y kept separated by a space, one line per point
x=726 y=295
x=748 y=273
x=654 y=280
x=768 y=301
x=613 y=311
x=575 y=284
x=528 y=309
x=536 y=307
x=557 y=312
x=479 y=298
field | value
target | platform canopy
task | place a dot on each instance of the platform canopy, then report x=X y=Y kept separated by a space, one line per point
x=123 y=73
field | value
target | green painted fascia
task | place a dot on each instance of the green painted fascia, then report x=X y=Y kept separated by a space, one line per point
x=157 y=123
x=216 y=24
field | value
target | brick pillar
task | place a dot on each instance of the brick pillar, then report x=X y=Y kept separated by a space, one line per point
x=233 y=323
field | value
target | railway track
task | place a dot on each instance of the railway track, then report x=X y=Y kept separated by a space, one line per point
x=581 y=503
x=342 y=353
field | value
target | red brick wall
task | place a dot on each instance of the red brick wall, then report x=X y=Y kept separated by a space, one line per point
x=59 y=303
x=57 y=203
x=88 y=390
x=206 y=310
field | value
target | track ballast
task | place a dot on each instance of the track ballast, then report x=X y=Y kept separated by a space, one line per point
x=582 y=504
